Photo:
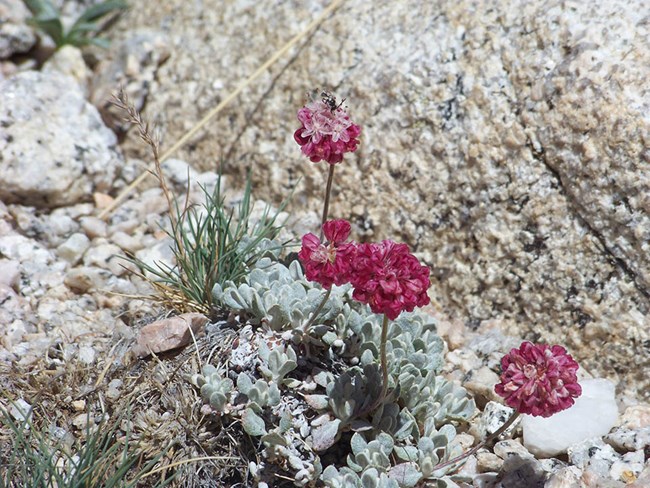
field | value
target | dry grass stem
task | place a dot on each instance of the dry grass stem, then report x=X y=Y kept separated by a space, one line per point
x=199 y=125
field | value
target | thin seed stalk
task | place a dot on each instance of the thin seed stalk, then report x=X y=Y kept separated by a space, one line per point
x=326 y=205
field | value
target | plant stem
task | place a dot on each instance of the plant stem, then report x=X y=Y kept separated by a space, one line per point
x=487 y=440
x=318 y=309
x=326 y=205
x=382 y=358
x=384 y=371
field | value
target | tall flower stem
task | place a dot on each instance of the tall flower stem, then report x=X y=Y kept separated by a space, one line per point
x=384 y=371
x=487 y=440
x=318 y=309
x=326 y=205
x=382 y=358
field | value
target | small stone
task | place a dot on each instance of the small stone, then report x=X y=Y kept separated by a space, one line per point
x=453 y=331
x=552 y=465
x=15 y=332
x=105 y=256
x=159 y=254
x=9 y=272
x=82 y=421
x=102 y=200
x=15 y=35
x=493 y=417
x=636 y=417
x=58 y=225
x=594 y=477
x=114 y=389
x=85 y=278
x=488 y=461
x=178 y=172
x=61 y=436
x=69 y=61
x=167 y=334
x=470 y=468
x=94 y=227
x=464 y=359
x=128 y=225
x=77 y=211
x=492 y=342
x=78 y=405
x=628 y=468
x=593 y=415
x=520 y=468
x=508 y=448
x=20 y=410
x=464 y=441
x=481 y=382
x=643 y=480
x=73 y=249
x=87 y=354
x=152 y=203
x=593 y=452
x=208 y=182
x=127 y=242
x=623 y=439
x=568 y=477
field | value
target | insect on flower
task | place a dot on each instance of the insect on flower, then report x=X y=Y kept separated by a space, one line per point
x=326 y=131
x=330 y=100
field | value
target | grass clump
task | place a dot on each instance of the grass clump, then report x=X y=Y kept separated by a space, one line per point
x=211 y=247
x=213 y=244
x=37 y=459
x=47 y=18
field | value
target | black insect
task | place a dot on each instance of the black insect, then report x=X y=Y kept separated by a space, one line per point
x=330 y=101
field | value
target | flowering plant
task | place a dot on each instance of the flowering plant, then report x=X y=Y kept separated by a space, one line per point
x=538 y=380
x=389 y=278
x=328 y=263
x=327 y=132
x=384 y=275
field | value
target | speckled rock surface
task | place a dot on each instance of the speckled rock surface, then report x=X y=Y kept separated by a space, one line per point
x=504 y=141
x=15 y=35
x=54 y=148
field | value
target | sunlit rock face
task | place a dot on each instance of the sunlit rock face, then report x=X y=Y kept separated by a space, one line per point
x=505 y=142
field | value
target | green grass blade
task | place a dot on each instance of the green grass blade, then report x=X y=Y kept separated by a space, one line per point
x=98 y=11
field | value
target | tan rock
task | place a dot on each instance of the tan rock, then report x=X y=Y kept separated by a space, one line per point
x=167 y=334
x=78 y=405
x=507 y=141
x=636 y=417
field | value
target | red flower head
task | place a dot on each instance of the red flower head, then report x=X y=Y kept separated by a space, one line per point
x=327 y=132
x=538 y=380
x=389 y=278
x=328 y=263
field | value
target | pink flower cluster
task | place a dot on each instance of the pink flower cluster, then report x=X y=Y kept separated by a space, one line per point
x=384 y=275
x=328 y=263
x=327 y=132
x=538 y=380
x=389 y=278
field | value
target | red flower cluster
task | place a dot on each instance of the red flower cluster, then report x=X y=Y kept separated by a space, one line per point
x=538 y=380
x=389 y=278
x=384 y=275
x=327 y=132
x=329 y=263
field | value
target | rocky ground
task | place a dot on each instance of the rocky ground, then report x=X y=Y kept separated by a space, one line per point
x=505 y=142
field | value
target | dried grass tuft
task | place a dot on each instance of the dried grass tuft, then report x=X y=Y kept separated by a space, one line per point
x=158 y=412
